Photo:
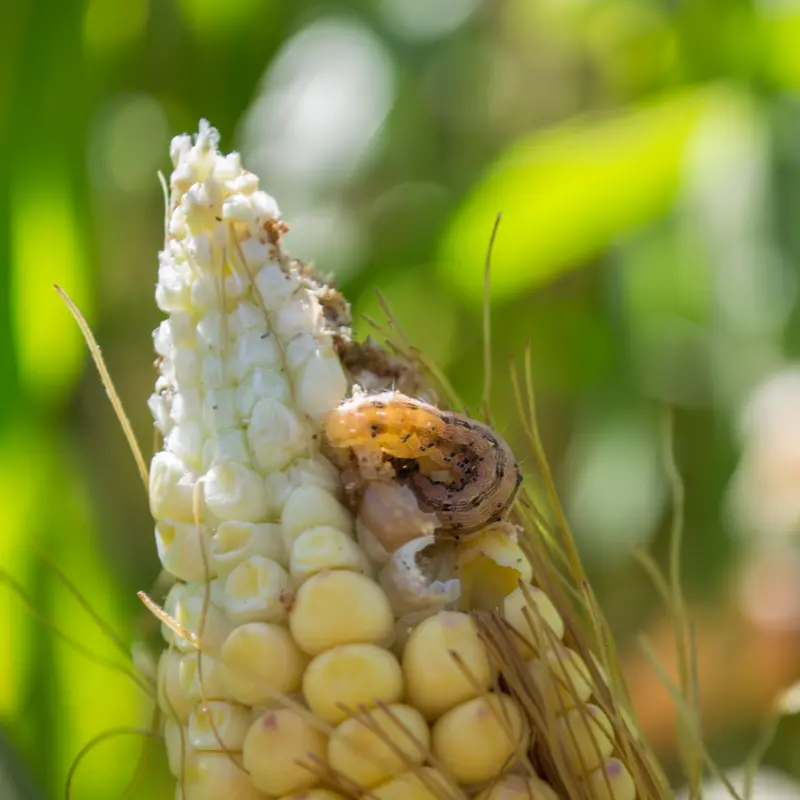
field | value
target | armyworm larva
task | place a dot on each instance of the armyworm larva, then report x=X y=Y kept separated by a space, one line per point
x=457 y=468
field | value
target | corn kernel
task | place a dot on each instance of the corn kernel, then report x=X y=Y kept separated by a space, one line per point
x=436 y=680
x=217 y=725
x=258 y=590
x=519 y=787
x=321 y=385
x=280 y=750
x=259 y=659
x=189 y=604
x=172 y=699
x=235 y=492
x=315 y=794
x=340 y=607
x=423 y=784
x=171 y=493
x=612 y=781
x=179 y=749
x=585 y=736
x=480 y=739
x=201 y=677
x=234 y=542
x=379 y=744
x=210 y=776
x=322 y=548
x=351 y=675
x=562 y=678
x=490 y=565
x=309 y=506
x=526 y=621
x=180 y=547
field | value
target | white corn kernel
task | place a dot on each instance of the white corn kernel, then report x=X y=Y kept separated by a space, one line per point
x=179 y=750
x=234 y=492
x=191 y=607
x=180 y=547
x=172 y=698
x=276 y=435
x=171 y=493
x=320 y=386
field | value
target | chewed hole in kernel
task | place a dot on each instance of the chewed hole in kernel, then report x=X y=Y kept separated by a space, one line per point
x=457 y=468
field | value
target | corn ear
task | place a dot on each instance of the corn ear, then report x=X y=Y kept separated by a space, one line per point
x=311 y=650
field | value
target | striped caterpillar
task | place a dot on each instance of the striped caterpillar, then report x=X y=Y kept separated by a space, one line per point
x=457 y=468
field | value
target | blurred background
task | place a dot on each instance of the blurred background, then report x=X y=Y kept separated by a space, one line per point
x=645 y=155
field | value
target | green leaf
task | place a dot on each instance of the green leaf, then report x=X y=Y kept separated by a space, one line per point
x=568 y=192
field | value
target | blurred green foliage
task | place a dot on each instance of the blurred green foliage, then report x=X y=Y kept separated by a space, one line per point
x=645 y=155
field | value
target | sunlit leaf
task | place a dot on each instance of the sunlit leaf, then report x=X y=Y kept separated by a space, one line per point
x=47 y=248
x=568 y=192
x=781 y=28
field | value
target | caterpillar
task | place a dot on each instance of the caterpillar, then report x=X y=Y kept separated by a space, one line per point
x=458 y=468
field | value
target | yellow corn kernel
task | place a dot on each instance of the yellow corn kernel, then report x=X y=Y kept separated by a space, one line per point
x=612 y=781
x=519 y=787
x=172 y=699
x=217 y=725
x=280 y=752
x=211 y=776
x=436 y=680
x=480 y=739
x=324 y=547
x=355 y=676
x=585 y=735
x=315 y=794
x=259 y=659
x=562 y=678
x=424 y=783
x=379 y=744
x=340 y=607
x=490 y=565
x=529 y=637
